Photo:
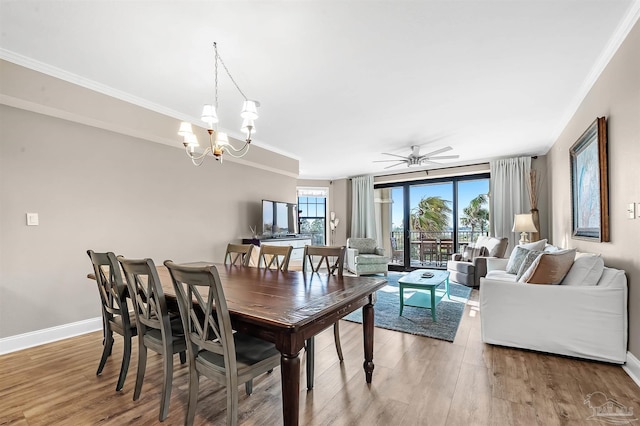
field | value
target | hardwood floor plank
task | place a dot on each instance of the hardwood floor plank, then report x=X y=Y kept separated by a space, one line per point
x=416 y=381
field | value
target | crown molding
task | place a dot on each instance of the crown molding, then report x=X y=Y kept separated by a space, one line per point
x=618 y=37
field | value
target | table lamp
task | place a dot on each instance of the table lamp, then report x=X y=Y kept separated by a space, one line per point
x=523 y=223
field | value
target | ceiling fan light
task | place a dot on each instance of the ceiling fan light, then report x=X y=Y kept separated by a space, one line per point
x=249 y=110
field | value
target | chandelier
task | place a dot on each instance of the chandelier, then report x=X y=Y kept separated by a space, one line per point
x=219 y=141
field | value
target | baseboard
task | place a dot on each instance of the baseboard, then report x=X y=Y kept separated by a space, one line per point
x=632 y=368
x=48 y=335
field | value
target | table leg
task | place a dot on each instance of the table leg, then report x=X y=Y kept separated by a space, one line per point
x=367 y=326
x=310 y=344
x=401 y=298
x=290 y=374
x=433 y=303
x=446 y=284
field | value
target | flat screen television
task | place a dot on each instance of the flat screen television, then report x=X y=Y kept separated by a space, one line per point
x=279 y=219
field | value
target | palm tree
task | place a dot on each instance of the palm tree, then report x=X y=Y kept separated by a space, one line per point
x=476 y=215
x=431 y=214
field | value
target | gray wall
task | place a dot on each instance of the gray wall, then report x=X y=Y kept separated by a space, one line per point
x=616 y=95
x=107 y=191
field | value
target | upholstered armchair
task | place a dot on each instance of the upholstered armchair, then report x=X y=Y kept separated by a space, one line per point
x=365 y=257
x=468 y=267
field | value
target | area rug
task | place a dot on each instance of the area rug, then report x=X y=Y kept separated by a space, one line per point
x=417 y=320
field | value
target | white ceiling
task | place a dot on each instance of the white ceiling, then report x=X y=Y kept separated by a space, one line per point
x=340 y=82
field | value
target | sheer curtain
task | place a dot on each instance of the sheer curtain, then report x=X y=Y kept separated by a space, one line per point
x=363 y=220
x=509 y=196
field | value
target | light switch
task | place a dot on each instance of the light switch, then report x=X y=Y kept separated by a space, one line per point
x=32 y=219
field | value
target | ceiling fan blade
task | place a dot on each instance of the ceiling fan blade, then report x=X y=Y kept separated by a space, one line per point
x=438 y=151
x=393 y=165
x=395 y=155
x=444 y=157
x=386 y=161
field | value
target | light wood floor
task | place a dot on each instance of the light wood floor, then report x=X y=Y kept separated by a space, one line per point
x=416 y=381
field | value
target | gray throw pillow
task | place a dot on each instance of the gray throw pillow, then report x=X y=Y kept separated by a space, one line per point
x=528 y=260
x=515 y=260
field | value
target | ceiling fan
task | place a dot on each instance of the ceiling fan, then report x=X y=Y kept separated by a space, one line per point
x=415 y=159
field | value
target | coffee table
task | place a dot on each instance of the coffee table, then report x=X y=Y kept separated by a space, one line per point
x=415 y=280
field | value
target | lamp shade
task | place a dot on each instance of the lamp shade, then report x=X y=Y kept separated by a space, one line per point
x=248 y=127
x=209 y=114
x=185 y=129
x=249 y=110
x=222 y=139
x=191 y=140
x=524 y=223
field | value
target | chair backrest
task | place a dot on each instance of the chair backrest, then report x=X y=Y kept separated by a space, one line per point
x=205 y=327
x=331 y=256
x=274 y=257
x=496 y=247
x=112 y=289
x=146 y=292
x=238 y=254
x=363 y=245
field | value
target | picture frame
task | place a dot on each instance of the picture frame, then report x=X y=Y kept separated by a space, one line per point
x=589 y=184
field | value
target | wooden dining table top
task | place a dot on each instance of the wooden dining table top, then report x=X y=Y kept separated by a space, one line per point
x=285 y=299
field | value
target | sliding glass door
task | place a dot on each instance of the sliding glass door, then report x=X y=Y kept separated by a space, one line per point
x=431 y=219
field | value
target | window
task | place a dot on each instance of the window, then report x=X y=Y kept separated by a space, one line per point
x=312 y=210
x=430 y=219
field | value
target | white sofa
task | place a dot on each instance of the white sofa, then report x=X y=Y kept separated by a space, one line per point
x=578 y=320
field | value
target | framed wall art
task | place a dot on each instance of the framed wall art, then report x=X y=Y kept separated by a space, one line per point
x=589 y=184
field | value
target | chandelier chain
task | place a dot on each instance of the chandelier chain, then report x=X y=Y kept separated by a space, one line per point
x=219 y=58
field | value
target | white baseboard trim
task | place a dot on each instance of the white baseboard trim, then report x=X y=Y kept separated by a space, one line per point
x=48 y=335
x=632 y=368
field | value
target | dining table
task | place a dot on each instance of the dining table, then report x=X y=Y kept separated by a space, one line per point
x=287 y=308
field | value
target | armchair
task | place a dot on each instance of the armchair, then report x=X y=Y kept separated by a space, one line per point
x=467 y=268
x=364 y=257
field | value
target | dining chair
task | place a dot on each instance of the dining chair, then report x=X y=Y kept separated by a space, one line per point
x=274 y=257
x=331 y=258
x=115 y=312
x=214 y=349
x=158 y=329
x=238 y=254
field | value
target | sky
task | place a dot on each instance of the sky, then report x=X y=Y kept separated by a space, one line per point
x=467 y=190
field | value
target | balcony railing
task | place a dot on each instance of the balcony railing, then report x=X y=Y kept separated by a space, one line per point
x=429 y=249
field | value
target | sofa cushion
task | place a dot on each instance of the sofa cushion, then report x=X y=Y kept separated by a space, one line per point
x=464 y=267
x=586 y=270
x=500 y=275
x=371 y=259
x=549 y=268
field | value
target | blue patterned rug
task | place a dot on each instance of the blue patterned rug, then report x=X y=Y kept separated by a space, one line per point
x=417 y=320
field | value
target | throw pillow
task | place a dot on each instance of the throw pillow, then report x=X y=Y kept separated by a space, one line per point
x=586 y=270
x=471 y=253
x=515 y=260
x=536 y=245
x=531 y=257
x=549 y=268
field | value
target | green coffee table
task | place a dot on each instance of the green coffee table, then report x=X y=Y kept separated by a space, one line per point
x=420 y=299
